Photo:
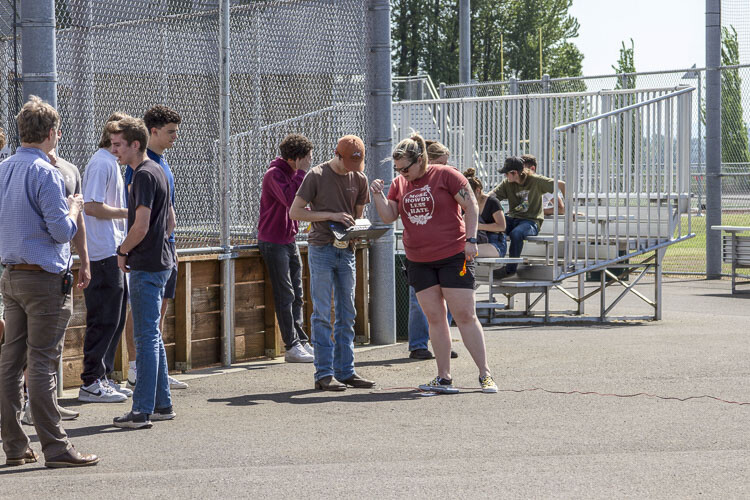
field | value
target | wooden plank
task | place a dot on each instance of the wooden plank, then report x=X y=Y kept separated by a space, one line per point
x=249 y=295
x=206 y=299
x=206 y=352
x=205 y=273
x=168 y=332
x=249 y=269
x=72 y=369
x=73 y=344
x=250 y=321
x=183 y=317
x=249 y=346
x=273 y=344
x=362 y=298
x=206 y=325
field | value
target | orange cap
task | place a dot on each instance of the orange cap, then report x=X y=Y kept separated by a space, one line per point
x=352 y=151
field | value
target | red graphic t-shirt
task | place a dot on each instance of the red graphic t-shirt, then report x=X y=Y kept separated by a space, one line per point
x=433 y=226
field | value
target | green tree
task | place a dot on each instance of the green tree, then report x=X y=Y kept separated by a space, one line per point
x=626 y=64
x=425 y=38
x=734 y=143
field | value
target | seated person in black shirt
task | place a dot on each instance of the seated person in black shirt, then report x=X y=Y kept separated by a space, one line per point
x=491 y=234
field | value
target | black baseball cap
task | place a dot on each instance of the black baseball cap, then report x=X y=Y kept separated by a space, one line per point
x=512 y=163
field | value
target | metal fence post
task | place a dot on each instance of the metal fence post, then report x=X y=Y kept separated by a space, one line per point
x=513 y=87
x=378 y=112
x=227 y=264
x=713 y=138
x=464 y=41
x=39 y=69
x=545 y=84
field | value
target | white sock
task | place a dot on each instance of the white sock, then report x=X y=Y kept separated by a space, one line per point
x=131 y=365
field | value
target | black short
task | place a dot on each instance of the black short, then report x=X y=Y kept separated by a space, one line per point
x=443 y=272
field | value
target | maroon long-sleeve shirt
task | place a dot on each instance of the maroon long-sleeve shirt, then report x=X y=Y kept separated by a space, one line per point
x=280 y=184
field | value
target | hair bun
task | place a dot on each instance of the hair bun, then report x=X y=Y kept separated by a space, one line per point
x=470 y=172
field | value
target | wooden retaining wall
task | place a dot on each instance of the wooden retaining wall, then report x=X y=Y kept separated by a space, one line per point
x=192 y=326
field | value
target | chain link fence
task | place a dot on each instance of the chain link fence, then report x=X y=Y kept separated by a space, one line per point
x=688 y=257
x=10 y=91
x=290 y=72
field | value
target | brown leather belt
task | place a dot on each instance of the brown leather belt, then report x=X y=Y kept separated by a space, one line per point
x=24 y=267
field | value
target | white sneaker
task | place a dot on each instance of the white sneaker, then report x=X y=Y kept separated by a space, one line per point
x=132 y=376
x=298 y=354
x=309 y=348
x=118 y=388
x=100 y=392
x=27 y=418
x=176 y=384
x=65 y=414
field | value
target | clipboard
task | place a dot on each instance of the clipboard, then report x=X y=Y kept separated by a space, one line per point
x=362 y=229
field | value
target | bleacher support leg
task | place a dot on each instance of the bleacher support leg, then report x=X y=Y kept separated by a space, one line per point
x=581 y=293
x=658 y=283
x=602 y=296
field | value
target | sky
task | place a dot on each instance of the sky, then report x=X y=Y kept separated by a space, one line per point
x=668 y=34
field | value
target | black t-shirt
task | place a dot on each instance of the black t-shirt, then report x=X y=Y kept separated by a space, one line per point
x=491 y=206
x=150 y=189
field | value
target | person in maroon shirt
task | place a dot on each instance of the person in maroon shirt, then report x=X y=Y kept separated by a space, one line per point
x=276 y=232
x=440 y=249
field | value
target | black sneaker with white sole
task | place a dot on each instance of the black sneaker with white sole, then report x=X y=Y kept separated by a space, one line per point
x=133 y=420
x=163 y=414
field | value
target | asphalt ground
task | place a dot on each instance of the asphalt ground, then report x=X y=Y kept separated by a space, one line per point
x=259 y=430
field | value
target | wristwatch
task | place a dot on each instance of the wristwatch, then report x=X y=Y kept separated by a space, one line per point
x=471 y=240
x=120 y=253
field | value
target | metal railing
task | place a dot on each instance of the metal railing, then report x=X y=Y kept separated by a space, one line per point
x=627 y=174
x=482 y=131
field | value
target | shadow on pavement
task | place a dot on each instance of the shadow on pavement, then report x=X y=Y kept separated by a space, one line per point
x=312 y=396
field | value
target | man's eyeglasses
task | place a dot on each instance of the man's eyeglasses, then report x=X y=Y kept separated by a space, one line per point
x=403 y=170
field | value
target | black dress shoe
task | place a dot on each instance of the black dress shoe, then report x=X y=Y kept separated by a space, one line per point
x=358 y=382
x=421 y=354
x=454 y=354
x=329 y=384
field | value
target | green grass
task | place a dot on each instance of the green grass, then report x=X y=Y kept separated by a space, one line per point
x=690 y=255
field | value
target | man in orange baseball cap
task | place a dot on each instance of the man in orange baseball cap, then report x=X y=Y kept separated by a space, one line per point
x=336 y=192
x=351 y=150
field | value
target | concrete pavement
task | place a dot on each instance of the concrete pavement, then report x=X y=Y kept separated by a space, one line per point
x=258 y=430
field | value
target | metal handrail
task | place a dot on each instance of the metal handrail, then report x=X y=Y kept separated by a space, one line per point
x=618 y=111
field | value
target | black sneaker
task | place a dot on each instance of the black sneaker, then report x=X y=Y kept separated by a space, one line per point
x=454 y=354
x=133 y=420
x=163 y=414
x=421 y=354
x=502 y=273
x=441 y=385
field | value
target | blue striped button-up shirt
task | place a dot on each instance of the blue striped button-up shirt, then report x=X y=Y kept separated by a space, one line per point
x=34 y=224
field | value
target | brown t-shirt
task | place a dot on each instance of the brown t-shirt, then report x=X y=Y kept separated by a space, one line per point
x=327 y=191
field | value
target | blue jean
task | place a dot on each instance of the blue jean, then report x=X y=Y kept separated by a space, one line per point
x=518 y=230
x=146 y=294
x=419 y=329
x=332 y=271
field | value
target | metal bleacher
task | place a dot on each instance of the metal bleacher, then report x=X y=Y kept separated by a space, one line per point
x=624 y=156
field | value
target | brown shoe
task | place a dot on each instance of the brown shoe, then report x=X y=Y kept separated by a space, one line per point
x=358 y=382
x=72 y=458
x=28 y=458
x=329 y=384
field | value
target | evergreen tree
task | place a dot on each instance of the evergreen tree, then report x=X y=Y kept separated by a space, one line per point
x=734 y=143
x=626 y=64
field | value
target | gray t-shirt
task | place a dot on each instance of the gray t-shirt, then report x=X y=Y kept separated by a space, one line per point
x=71 y=176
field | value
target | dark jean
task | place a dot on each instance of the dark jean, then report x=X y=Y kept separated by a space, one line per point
x=518 y=230
x=106 y=306
x=333 y=272
x=146 y=295
x=285 y=271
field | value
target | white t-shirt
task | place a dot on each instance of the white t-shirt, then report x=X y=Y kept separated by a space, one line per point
x=102 y=183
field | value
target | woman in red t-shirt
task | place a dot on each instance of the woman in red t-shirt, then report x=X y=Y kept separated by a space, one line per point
x=439 y=256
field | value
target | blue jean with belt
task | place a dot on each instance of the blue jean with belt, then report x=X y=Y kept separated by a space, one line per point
x=146 y=295
x=518 y=230
x=332 y=272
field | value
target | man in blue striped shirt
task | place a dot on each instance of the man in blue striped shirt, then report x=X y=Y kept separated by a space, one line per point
x=37 y=222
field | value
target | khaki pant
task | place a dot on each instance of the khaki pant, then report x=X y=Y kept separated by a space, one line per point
x=36 y=316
